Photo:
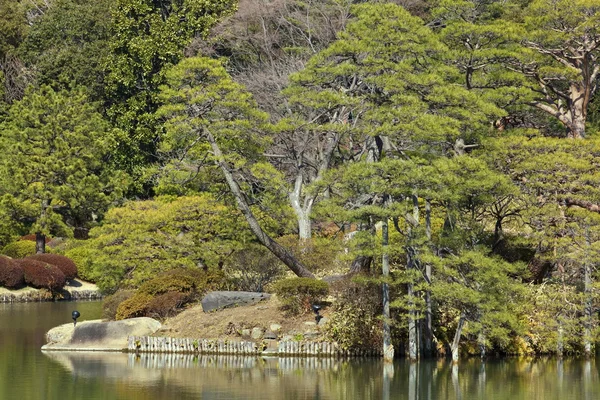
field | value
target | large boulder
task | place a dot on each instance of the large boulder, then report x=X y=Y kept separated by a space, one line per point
x=217 y=300
x=99 y=335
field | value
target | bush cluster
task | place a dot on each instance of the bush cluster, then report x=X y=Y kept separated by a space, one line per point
x=41 y=275
x=19 y=249
x=83 y=259
x=252 y=268
x=11 y=273
x=161 y=296
x=136 y=306
x=65 y=264
x=298 y=294
x=355 y=321
x=111 y=303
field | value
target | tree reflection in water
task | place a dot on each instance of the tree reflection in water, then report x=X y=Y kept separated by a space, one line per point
x=235 y=377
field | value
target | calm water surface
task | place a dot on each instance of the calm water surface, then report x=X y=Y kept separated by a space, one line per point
x=28 y=374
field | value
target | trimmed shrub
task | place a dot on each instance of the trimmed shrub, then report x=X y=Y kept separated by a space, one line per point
x=19 y=249
x=41 y=275
x=186 y=281
x=136 y=306
x=298 y=294
x=111 y=303
x=163 y=295
x=11 y=273
x=166 y=305
x=65 y=264
x=83 y=259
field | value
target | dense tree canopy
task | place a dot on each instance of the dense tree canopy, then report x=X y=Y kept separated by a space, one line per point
x=449 y=146
x=53 y=146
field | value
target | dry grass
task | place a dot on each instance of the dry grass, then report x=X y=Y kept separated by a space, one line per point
x=222 y=324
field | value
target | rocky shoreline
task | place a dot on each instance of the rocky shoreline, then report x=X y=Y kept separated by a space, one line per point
x=75 y=290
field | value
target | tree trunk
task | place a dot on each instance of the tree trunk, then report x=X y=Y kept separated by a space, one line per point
x=412 y=325
x=588 y=306
x=411 y=264
x=428 y=339
x=302 y=211
x=40 y=238
x=40 y=243
x=456 y=342
x=388 y=348
x=481 y=342
x=278 y=251
x=560 y=346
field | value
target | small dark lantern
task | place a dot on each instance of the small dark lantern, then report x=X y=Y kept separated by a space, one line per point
x=75 y=314
x=316 y=308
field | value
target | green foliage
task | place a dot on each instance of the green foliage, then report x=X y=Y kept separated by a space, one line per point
x=111 y=303
x=163 y=295
x=144 y=238
x=68 y=44
x=53 y=146
x=148 y=38
x=355 y=322
x=82 y=256
x=11 y=273
x=298 y=294
x=184 y=281
x=19 y=249
x=199 y=96
x=136 y=306
x=483 y=289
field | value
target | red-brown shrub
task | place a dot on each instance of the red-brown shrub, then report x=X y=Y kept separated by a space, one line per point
x=41 y=275
x=11 y=273
x=166 y=305
x=32 y=237
x=65 y=264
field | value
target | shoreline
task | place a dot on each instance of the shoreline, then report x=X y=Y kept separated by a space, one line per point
x=74 y=290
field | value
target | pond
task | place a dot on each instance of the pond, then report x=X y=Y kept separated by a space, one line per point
x=26 y=373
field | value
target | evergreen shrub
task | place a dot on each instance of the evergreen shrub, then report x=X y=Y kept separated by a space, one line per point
x=11 y=273
x=111 y=303
x=41 y=275
x=65 y=264
x=83 y=259
x=163 y=295
x=182 y=280
x=136 y=306
x=298 y=294
x=19 y=249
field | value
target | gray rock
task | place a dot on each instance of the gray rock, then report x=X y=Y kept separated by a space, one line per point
x=275 y=328
x=246 y=333
x=221 y=299
x=270 y=335
x=323 y=321
x=257 y=333
x=99 y=335
x=310 y=335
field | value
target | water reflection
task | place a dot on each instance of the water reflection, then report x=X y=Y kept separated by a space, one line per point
x=235 y=377
x=28 y=374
